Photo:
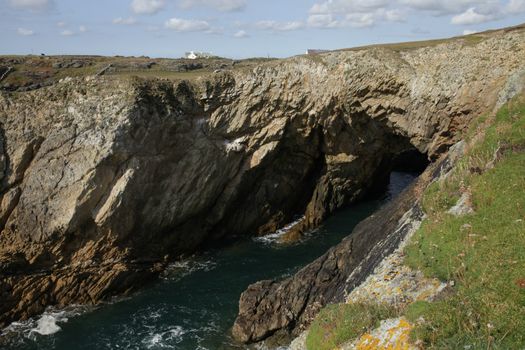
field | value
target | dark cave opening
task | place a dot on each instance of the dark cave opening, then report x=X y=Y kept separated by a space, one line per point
x=410 y=161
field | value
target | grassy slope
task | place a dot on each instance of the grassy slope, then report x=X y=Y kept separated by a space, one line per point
x=483 y=252
x=466 y=40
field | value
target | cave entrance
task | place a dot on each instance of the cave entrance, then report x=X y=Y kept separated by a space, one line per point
x=398 y=170
x=410 y=161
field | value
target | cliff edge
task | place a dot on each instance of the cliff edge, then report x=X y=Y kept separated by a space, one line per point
x=104 y=180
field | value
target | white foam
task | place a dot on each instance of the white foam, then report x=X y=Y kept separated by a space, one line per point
x=166 y=339
x=46 y=325
x=235 y=145
x=276 y=236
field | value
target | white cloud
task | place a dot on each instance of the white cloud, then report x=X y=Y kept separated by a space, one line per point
x=127 y=21
x=82 y=29
x=364 y=13
x=360 y=20
x=432 y=5
x=353 y=13
x=33 y=5
x=25 y=32
x=395 y=16
x=61 y=24
x=187 y=25
x=279 y=26
x=471 y=16
x=469 y=31
x=515 y=7
x=147 y=7
x=241 y=34
x=322 y=21
x=221 y=5
x=347 y=6
x=444 y=7
x=67 y=32
x=467 y=12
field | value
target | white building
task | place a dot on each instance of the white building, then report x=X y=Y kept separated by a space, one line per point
x=315 y=52
x=193 y=55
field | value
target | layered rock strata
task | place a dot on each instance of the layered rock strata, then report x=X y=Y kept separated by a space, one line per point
x=104 y=180
x=282 y=308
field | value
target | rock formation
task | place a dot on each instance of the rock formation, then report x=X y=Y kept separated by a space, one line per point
x=104 y=180
x=282 y=308
x=288 y=306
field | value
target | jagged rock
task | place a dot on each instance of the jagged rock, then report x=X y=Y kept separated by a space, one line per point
x=290 y=305
x=104 y=180
x=269 y=307
x=276 y=307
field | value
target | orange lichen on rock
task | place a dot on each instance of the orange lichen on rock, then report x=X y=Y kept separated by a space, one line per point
x=392 y=334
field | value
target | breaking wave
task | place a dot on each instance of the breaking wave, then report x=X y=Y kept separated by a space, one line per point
x=45 y=325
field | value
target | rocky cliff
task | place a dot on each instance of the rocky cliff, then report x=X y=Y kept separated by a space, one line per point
x=104 y=180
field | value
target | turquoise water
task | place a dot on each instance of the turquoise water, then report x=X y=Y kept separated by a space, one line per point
x=194 y=305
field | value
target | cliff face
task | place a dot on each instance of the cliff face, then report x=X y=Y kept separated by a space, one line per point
x=104 y=180
x=287 y=307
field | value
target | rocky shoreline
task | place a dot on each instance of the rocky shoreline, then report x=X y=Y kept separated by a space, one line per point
x=269 y=308
x=105 y=180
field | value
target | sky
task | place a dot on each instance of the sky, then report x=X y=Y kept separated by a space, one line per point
x=237 y=28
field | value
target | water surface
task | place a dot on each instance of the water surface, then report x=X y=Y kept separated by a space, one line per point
x=194 y=305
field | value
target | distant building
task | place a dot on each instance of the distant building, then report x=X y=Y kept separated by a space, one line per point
x=315 y=52
x=193 y=55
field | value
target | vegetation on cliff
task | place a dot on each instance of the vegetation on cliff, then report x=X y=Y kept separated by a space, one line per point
x=480 y=250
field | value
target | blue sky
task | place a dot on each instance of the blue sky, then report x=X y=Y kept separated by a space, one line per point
x=237 y=28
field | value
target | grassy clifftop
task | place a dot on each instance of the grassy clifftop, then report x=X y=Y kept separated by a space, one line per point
x=23 y=73
x=479 y=250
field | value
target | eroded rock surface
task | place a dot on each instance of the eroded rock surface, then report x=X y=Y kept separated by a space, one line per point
x=287 y=307
x=105 y=180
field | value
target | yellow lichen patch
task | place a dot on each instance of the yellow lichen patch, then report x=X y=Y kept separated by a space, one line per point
x=393 y=334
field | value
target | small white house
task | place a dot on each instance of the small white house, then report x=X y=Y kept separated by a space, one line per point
x=193 y=55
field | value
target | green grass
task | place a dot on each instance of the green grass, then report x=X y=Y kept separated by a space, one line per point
x=338 y=323
x=484 y=252
x=30 y=70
